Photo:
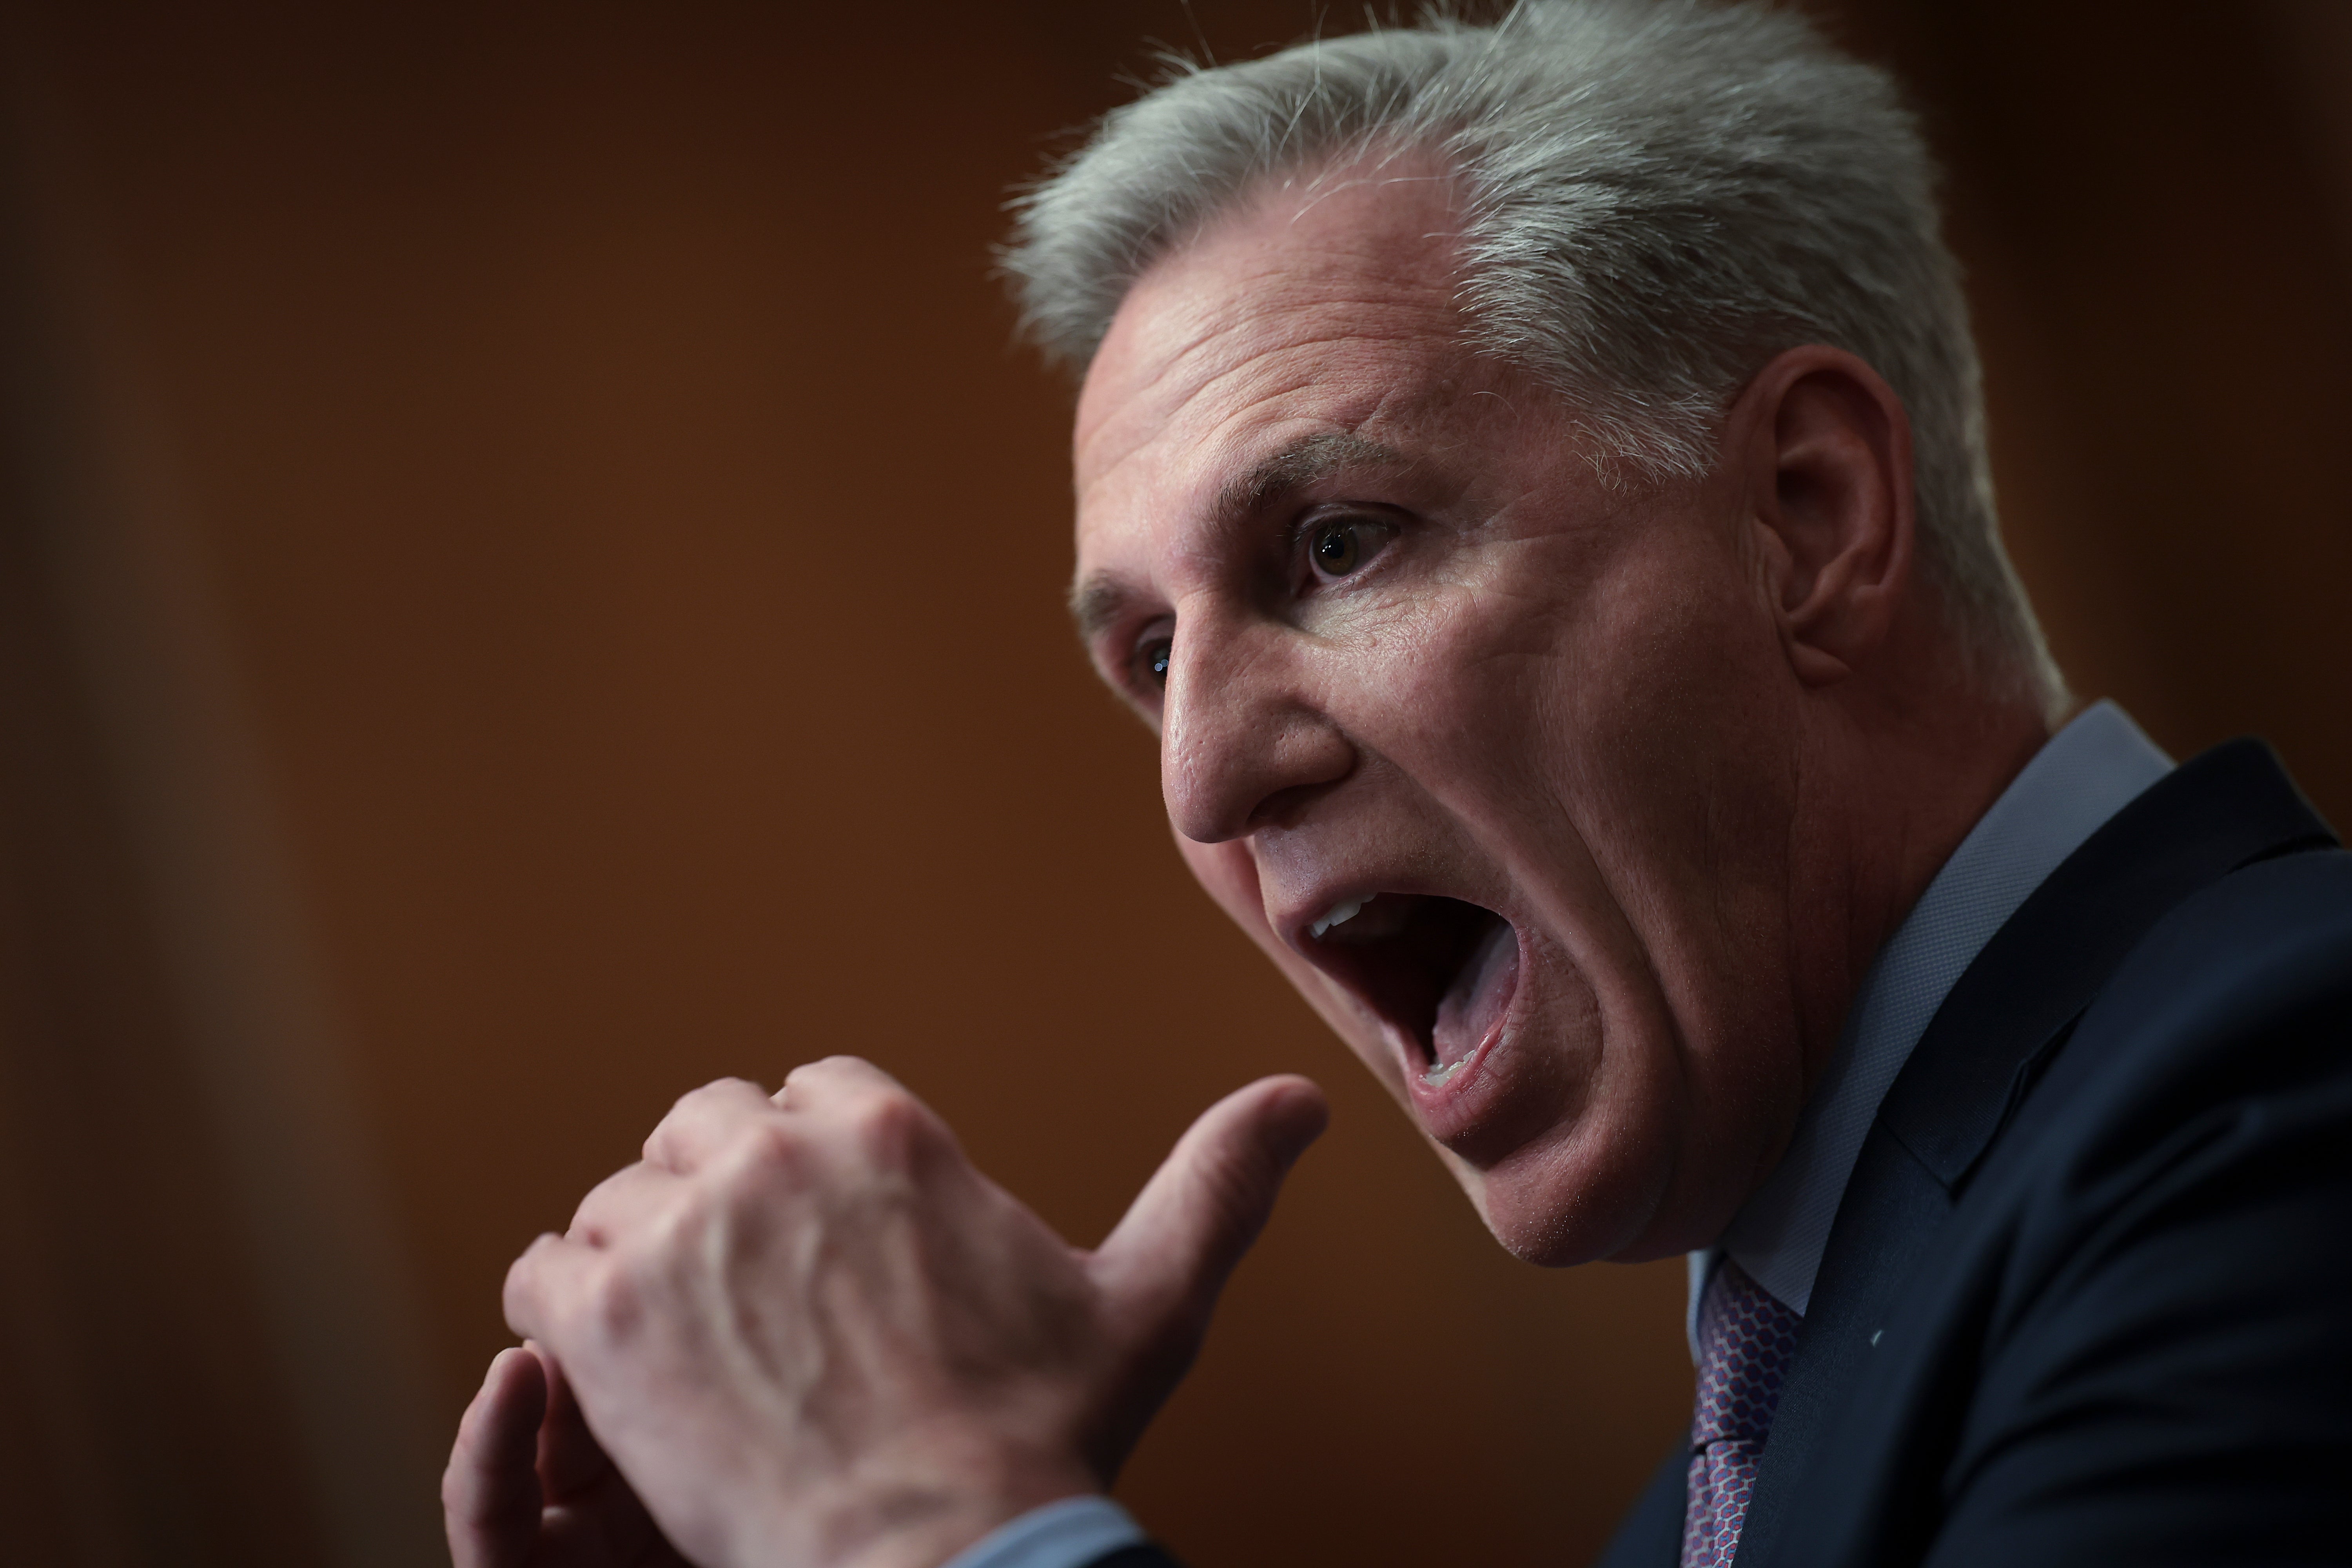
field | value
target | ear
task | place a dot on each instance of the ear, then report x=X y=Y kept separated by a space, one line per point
x=1824 y=449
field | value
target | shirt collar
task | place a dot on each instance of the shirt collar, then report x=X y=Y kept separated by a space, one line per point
x=2084 y=775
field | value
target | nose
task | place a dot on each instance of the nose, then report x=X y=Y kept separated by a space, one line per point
x=1243 y=742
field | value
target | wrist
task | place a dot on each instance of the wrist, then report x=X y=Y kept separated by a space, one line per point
x=1066 y=1533
x=920 y=1521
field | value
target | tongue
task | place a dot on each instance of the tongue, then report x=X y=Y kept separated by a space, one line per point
x=1474 y=1004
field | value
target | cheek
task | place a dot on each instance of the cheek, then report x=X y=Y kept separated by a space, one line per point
x=1228 y=874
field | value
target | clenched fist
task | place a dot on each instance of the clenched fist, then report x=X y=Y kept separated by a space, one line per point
x=803 y=1331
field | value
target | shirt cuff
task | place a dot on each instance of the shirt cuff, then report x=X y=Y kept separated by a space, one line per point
x=1066 y=1534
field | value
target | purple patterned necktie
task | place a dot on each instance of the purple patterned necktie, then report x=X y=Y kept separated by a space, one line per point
x=1744 y=1340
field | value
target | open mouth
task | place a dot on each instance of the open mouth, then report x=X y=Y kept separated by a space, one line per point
x=1442 y=971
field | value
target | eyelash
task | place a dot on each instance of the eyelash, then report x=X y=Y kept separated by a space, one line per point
x=1312 y=531
x=1153 y=647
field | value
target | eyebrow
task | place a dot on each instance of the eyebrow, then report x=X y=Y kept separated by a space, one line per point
x=1096 y=602
x=1100 y=598
x=1300 y=464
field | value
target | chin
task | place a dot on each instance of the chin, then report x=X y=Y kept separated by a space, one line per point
x=1561 y=1205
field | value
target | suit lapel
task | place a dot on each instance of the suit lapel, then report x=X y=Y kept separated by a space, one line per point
x=2005 y=1019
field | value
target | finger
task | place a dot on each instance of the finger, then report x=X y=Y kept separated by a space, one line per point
x=854 y=1106
x=703 y=1120
x=834 y=1082
x=491 y=1495
x=594 y=1515
x=570 y=1460
x=623 y=1203
x=1162 y=1268
x=551 y=1275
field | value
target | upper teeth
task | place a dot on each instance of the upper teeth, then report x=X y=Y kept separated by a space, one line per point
x=1341 y=913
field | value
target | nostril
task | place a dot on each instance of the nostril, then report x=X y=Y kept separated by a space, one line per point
x=1284 y=808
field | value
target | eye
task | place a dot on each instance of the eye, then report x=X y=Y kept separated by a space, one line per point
x=1151 y=656
x=1340 y=545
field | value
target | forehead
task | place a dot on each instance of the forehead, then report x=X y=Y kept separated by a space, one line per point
x=1307 y=312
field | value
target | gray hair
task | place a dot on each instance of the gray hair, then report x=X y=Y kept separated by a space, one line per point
x=1661 y=195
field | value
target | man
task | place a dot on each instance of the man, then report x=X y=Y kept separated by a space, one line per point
x=1532 y=479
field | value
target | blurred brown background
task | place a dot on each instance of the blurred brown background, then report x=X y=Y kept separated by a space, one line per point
x=530 y=579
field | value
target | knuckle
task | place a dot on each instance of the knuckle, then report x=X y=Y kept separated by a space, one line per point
x=522 y=1274
x=600 y=1301
x=717 y=1091
x=836 y=1068
x=521 y=1295
x=584 y=1224
x=771 y=1149
x=611 y=1306
x=889 y=1127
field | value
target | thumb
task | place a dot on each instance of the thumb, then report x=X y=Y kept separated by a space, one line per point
x=1161 y=1271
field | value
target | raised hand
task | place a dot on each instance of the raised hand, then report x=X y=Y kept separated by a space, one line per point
x=807 y=1332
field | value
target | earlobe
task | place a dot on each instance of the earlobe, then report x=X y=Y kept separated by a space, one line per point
x=1814 y=665
x=1826 y=445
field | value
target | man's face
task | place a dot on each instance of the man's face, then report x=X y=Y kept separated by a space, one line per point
x=1496 y=759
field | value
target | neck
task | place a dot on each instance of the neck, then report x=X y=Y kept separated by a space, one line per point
x=1896 y=777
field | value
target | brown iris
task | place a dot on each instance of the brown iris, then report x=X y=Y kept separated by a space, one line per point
x=1337 y=547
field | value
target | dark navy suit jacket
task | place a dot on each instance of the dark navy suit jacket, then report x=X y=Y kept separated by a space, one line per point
x=2088 y=1298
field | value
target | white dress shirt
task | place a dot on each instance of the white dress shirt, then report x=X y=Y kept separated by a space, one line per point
x=2089 y=771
